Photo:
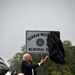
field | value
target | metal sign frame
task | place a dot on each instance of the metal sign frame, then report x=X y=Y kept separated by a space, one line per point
x=36 y=41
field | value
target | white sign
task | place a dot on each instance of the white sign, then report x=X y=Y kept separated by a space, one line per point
x=36 y=41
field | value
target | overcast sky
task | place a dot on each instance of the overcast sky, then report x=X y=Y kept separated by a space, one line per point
x=17 y=16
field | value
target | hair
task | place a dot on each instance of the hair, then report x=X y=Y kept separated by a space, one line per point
x=25 y=56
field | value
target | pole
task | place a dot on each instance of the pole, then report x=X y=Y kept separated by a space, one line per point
x=42 y=68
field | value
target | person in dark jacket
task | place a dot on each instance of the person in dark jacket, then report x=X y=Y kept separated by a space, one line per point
x=27 y=67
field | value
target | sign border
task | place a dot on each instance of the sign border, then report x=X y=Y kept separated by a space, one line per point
x=26 y=39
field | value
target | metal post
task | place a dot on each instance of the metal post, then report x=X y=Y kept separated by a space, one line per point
x=42 y=68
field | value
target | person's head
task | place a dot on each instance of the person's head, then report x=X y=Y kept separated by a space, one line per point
x=20 y=74
x=27 y=57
